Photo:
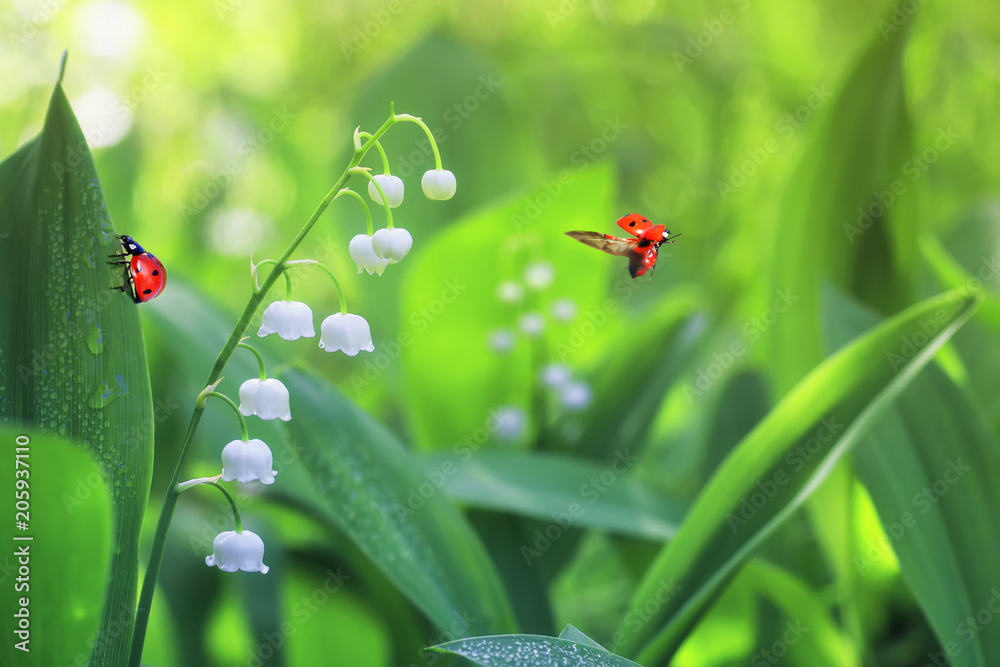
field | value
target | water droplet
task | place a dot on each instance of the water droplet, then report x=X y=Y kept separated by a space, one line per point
x=101 y=397
x=95 y=340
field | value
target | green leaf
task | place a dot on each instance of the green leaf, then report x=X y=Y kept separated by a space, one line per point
x=361 y=479
x=573 y=634
x=931 y=465
x=72 y=358
x=860 y=146
x=778 y=465
x=69 y=521
x=533 y=651
x=544 y=486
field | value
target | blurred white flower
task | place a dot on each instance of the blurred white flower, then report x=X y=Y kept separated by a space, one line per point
x=232 y=551
x=391 y=185
x=510 y=291
x=392 y=244
x=289 y=319
x=556 y=375
x=539 y=275
x=349 y=333
x=501 y=341
x=575 y=395
x=438 y=184
x=268 y=399
x=247 y=461
x=532 y=324
x=364 y=255
x=564 y=310
x=510 y=422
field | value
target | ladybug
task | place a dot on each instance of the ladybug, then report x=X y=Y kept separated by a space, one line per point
x=641 y=250
x=146 y=275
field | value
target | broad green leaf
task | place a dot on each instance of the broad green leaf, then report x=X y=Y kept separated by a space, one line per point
x=555 y=487
x=336 y=461
x=72 y=357
x=533 y=651
x=65 y=568
x=780 y=463
x=931 y=465
x=362 y=479
x=450 y=305
x=825 y=231
x=574 y=634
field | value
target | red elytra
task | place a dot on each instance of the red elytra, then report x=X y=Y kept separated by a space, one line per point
x=146 y=275
x=641 y=250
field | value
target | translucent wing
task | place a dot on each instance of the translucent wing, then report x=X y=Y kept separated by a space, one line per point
x=609 y=244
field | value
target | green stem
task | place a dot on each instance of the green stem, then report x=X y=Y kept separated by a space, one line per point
x=364 y=204
x=385 y=200
x=260 y=359
x=232 y=503
x=170 y=498
x=256 y=270
x=405 y=117
x=203 y=398
x=378 y=146
x=329 y=272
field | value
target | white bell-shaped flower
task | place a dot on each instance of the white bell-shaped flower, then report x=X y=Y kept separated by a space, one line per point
x=575 y=395
x=438 y=184
x=268 y=399
x=364 y=255
x=539 y=275
x=289 y=319
x=556 y=375
x=392 y=244
x=510 y=291
x=391 y=185
x=564 y=310
x=349 y=333
x=501 y=341
x=247 y=461
x=232 y=551
x=531 y=324
x=510 y=422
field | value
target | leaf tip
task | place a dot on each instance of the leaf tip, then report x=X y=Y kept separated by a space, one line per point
x=62 y=66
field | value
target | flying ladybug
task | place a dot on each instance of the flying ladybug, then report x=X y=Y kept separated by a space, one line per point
x=641 y=250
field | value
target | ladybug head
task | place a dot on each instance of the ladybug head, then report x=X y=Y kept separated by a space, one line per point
x=131 y=246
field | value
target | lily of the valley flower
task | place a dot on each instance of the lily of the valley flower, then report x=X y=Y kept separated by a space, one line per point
x=232 y=551
x=501 y=341
x=539 y=275
x=532 y=324
x=510 y=291
x=289 y=319
x=556 y=375
x=391 y=185
x=392 y=244
x=564 y=310
x=575 y=395
x=247 y=461
x=438 y=184
x=364 y=255
x=268 y=399
x=346 y=332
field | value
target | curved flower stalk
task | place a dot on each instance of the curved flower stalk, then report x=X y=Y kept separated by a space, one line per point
x=264 y=397
x=291 y=320
x=244 y=460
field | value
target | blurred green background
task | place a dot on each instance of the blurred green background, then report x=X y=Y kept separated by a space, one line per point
x=766 y=133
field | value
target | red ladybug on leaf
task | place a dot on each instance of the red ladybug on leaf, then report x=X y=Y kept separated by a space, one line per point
x=641 y=251
x=146 y=275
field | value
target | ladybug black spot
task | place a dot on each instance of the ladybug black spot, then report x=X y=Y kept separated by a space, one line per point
x=156 y=272
x=644 y=220
x=632 y=224
x=147 y=291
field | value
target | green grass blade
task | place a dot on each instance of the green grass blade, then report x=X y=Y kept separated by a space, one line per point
x=778 y=465
x=72 y=357
x=930 y=465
